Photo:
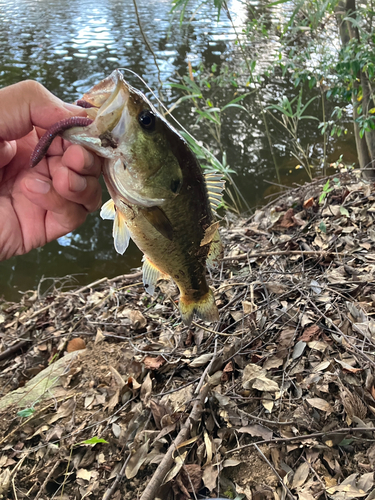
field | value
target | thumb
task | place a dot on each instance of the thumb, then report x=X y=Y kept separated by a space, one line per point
x=8 y=151
x=28 y=104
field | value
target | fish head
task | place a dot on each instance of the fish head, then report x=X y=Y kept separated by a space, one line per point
x=134 y=138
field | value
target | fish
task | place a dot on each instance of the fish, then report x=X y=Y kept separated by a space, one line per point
x=160 y=197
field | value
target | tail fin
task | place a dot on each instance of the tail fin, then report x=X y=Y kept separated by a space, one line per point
x=205 y=308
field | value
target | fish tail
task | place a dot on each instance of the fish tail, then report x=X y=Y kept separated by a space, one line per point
x=205 y=308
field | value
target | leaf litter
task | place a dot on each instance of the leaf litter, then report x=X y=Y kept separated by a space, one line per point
x=104 y=393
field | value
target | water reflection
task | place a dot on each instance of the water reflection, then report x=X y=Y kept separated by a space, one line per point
x=69 y=45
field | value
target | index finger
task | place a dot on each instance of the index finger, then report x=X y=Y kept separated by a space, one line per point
x=27 y=104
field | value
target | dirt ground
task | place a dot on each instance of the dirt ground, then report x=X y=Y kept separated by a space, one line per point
x=104 y=393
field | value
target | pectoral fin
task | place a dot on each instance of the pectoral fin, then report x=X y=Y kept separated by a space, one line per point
x=151 y=274
x=157 y=218
x=121 y=234
x=108 y=210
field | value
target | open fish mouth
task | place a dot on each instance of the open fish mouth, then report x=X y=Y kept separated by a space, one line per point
x=124 y=128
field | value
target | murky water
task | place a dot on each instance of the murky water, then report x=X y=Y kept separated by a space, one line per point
x=68 y=45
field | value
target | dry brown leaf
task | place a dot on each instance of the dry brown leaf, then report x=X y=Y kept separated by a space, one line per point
x=84 y=474
x=209 y=477
x=301 y=475
x=320 y=404
x=191 y=475
x=288 y=219
x=310 y=333
x=346 y=367
x=201 y=360
x=65 y=410
x=308 y=203
x=153 y=363
x=257 y=430
x=146 y=389
x=76 y=345
x=136 y=460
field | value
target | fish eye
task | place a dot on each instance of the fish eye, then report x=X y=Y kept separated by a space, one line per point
x=146 y=120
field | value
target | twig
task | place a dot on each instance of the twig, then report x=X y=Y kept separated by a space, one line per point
x=269 y=422
x=45 y=482
x=120 y=475
x=323 y=253
x=345 y=430
x=208 y=368
x=8 y=352
x=132 y=276
x=154 y=484
x=284 y=486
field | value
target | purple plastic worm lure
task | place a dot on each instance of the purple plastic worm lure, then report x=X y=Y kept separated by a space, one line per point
x=84 y=104
x=56 y=129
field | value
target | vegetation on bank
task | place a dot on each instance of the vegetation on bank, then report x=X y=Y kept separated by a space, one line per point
x=321 y=47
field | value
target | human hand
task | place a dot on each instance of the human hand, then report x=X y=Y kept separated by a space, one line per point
x=41 y=204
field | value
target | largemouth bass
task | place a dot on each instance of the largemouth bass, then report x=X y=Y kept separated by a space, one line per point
x=159 y=195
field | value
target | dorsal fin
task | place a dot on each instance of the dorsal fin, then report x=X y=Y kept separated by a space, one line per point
x=215 y=187
x=108 y=210
x=121 y=234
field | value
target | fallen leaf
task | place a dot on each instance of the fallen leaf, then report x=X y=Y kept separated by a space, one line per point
x=153 y=363
x=201 y=360
x=257 y=430
x=209 y=477
x=310 y=333
x=301 y=475
x=84 y=474
x=76 y=344
x=136 y=460
x=320 y=404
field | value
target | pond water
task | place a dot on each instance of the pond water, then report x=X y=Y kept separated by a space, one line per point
x=69 y=45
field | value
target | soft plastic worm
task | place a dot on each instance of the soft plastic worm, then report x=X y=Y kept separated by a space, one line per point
x=56 y=129
x=84 y=104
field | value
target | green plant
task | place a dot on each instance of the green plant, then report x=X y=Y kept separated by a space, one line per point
x=290 y=119
x=327 y=189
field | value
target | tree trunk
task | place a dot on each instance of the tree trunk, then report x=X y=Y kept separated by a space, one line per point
x=366 y=144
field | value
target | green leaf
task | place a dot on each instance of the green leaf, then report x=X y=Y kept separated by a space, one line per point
x=323 y=227
x=343 y=211
x=233 y=106
x=27 y=412
x=93 y=441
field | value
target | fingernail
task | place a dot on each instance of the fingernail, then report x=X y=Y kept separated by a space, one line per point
x=37 y=186
x=78 y=183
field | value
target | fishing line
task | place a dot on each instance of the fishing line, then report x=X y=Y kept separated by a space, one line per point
x=183 y=128
x=159 y=101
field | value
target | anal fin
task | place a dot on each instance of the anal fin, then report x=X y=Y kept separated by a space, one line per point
x=215 y=253
x=151 y=274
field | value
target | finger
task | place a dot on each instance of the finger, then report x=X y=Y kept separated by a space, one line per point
x=82 y=161
x=62 y=215
x=8 y=151
x=27 y=104
x=84 y=190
